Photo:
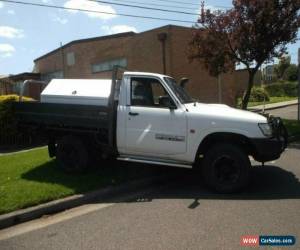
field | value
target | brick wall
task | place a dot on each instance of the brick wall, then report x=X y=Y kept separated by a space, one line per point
x=144 y=53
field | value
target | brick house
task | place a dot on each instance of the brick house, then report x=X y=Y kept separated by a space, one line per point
x=11 y=84
x=161 y=50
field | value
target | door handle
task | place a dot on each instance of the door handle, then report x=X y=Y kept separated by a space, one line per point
x=133 y=114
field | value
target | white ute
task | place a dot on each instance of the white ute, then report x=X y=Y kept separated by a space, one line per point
x=149 y=118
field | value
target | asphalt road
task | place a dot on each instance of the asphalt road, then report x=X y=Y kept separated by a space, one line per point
x=290 y=112
x=181 y=214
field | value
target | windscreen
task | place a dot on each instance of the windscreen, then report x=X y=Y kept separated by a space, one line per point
x=180 y=92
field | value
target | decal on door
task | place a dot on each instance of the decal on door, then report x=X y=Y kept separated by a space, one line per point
x=169 y=137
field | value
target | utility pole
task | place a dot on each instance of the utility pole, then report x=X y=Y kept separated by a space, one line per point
x=62 y=59
x=299 y=84
x=220 y=88
x=162 y=37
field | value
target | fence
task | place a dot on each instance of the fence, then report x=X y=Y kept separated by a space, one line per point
x=9 y=137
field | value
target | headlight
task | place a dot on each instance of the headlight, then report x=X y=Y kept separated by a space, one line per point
x=265 y=129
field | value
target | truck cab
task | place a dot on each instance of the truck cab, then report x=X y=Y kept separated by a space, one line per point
x=149 y=118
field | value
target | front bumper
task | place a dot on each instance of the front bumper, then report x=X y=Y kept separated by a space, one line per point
x=269 y=149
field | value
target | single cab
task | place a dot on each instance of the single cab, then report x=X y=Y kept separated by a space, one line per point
x=149 y=118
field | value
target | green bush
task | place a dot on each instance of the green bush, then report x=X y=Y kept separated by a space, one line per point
x=7 y=122
x=290 y=89
x=291 y=73
x=275 y=89
x=259 y=94
x=282 y=89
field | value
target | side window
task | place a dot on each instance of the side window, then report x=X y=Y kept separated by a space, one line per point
x=149 y=92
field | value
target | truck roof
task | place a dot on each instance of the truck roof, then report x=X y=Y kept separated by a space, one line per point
x=144 y=74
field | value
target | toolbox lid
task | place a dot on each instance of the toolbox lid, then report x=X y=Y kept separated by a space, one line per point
x=77 y=91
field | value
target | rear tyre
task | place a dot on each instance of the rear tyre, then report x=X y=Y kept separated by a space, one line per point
x=226 y=168
x=72 y=155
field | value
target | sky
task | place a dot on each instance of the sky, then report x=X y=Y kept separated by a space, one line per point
x=28 y=32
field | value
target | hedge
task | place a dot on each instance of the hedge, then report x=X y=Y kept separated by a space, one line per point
x=259 y=94
x=8 y=128
x=282 y=89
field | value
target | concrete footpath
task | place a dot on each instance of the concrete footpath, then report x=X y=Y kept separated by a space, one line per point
x=273 y=106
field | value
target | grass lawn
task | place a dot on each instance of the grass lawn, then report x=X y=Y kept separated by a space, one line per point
x=273 y=99
x=293 y=127
x=31 y=178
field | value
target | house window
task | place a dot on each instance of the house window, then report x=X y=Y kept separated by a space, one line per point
x=53 y=75
x=16 y=87
x=70 y=58
x=108 y=65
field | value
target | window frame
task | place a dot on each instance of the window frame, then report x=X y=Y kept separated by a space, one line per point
x=160 y=82
x=93 y=65
x=48 y=76
x=70 y=58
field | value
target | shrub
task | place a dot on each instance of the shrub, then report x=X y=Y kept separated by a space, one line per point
x=275 y=89
x=291 y=73
x=290 y=89
x=282 y=89
x=259 y=94
x=8 y=127
x=13 y=98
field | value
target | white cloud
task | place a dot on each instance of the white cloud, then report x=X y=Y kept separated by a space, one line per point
x=46 y=1
x=11 y=32
x=118 y=29
x=60 y=20
x=91 y=6
x=1 y=5
x=11 y=12
x=6 y=50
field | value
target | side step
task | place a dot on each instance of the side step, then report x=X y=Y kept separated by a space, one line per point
x=147 y=161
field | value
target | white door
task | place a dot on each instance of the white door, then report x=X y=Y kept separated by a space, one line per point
x=152 y=127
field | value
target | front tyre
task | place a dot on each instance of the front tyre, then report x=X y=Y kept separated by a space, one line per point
x=226 y=168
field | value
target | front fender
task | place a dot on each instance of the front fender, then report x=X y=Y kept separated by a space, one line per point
x=205 y=133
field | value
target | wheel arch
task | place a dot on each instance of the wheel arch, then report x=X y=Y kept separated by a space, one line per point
x=224 y=137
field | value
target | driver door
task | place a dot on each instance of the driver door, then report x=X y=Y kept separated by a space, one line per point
x=152 y=128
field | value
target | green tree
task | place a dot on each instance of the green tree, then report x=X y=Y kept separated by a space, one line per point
x=250 y=33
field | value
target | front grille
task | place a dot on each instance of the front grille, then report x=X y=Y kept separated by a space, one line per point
x=279 y=131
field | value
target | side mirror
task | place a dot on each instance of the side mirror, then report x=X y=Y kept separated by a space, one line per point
x=165 y=101
x=183 y=82
x=172 y=106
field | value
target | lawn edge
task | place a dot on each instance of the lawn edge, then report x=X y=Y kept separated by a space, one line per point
x=253 y=109
x=52 y=207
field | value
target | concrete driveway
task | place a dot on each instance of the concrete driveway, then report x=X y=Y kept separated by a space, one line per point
x=181 y=214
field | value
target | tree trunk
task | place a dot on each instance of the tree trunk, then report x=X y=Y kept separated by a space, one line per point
x=246 y=96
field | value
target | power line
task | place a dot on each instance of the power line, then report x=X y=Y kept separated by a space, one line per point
x=145 y=8
x=186 y=3
x=95 y=11
x=174 y=6
x=194 y=4
x=156 y=4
